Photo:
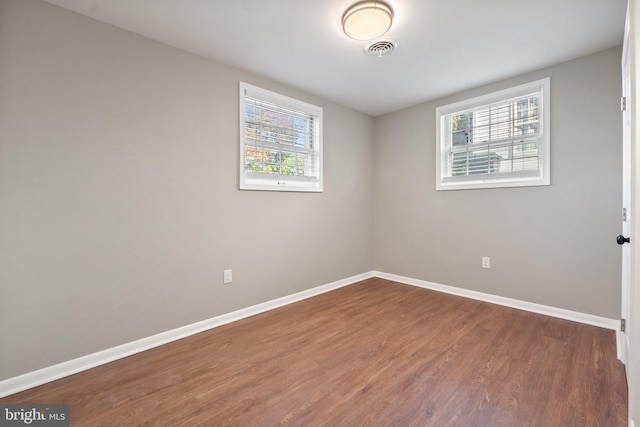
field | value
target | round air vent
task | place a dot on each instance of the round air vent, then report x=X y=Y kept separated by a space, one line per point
x=380 y=48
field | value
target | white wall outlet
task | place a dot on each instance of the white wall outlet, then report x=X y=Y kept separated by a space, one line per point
x=227 y=276
x=486 y=262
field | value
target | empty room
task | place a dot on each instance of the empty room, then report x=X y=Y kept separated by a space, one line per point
x=332 y=213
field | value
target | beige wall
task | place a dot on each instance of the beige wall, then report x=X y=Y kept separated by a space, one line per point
x=119 y=200
x=551 y=245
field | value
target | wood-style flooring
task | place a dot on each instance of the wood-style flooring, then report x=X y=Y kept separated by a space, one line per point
x=376 y=353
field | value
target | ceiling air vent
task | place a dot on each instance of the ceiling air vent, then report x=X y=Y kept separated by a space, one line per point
x=380 y=48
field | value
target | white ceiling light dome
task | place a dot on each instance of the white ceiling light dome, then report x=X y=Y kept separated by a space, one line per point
x=367 y=20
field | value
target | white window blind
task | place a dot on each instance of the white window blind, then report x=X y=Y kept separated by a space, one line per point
x=498 y=140
x=280 y=142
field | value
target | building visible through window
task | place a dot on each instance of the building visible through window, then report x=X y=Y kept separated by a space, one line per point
x=498 y=140
x=280 y=142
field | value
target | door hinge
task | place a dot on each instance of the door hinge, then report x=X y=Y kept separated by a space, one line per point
x=623 y=103
x=624 y=214
x=623 y=325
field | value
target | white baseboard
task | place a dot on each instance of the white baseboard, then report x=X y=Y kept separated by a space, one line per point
x=561 y=313
x=51 y=373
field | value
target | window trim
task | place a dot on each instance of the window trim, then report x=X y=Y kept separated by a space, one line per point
x=257 y=181
x=542 y=178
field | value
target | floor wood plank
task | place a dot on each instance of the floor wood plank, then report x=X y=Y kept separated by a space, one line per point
x=376 y=353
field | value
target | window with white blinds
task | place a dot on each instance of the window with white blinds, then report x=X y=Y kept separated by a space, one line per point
x=280 y=142
x=496 y=140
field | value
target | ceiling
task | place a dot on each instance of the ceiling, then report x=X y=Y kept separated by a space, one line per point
x=444 y=46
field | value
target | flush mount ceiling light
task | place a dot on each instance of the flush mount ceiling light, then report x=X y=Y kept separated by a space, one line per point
x=367 y=20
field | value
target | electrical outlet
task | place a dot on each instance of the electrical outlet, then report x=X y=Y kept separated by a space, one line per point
x=227 y=276
x=486 y=262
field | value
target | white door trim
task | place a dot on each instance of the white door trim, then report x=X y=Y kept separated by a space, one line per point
x=623 y=342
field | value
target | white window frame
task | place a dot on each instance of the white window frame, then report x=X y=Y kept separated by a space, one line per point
x=495 y=180
x=312 y=179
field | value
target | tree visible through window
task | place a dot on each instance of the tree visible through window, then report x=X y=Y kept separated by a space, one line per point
x=280 y=142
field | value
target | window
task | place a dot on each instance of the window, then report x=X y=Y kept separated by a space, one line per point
x=496 y=140
x=280 y=142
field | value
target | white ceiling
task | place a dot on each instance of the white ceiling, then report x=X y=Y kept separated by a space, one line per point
x=444 y=46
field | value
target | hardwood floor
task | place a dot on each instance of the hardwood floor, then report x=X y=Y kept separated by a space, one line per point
x=376 y=353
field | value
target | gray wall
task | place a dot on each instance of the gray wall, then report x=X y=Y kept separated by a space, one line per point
x=119 y=200
x=119 y=205
x=551 y=245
